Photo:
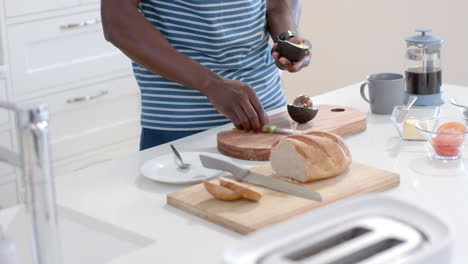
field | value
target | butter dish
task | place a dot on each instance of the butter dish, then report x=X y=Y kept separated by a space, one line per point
x=405 y=128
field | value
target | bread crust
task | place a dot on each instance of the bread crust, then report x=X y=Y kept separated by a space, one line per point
x=220 y=192
x=324 y=155
x=246 y=191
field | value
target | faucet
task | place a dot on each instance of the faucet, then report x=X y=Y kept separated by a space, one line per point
x=37 y=190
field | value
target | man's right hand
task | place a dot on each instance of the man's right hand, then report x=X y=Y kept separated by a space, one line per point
x=238 y=102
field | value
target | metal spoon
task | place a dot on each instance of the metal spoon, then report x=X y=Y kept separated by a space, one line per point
x=182 y=165
x=404 y=112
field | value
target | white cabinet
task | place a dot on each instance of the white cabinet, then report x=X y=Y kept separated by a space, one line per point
x=5 y=136
x=93 y=117
x=8 y=194
x=7 y=171
x=3 y=97
x=21 y=7
x=52 y=52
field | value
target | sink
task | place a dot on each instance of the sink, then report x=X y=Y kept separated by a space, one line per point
x=84 y=239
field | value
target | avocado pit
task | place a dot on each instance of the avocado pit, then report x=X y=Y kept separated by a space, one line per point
x=301 y=110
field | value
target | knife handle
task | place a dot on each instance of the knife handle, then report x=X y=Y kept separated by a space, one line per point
x=224 y=164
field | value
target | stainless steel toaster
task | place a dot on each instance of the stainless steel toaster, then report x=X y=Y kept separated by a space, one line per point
x=368 y=230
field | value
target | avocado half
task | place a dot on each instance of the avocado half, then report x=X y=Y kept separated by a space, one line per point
x=292 y=51
x=301 y=114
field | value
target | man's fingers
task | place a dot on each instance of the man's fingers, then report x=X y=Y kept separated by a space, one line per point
x=235 y=120
x=275 y=54
x=296 y=40
x=287 y=63
x=279 y=65
x=257 y=106
x=263 y=118
x=298 y=65
x=244 y=121
x=251 y=115
x=302 y=63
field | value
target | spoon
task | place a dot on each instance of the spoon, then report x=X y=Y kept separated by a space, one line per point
x=182 y=165
x=404 y=112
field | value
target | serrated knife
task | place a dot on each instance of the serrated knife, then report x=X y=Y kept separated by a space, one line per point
x=244 y=174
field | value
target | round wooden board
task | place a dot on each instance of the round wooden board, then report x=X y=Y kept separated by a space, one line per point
x=246 y=145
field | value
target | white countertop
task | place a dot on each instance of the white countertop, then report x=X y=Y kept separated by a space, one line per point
x=115 y=193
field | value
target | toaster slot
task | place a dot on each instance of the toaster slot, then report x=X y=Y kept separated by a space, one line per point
x=366 y=240
x=327 y=243
x=369 y=252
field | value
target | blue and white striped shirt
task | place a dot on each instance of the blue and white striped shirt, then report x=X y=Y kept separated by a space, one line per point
x=229 y=37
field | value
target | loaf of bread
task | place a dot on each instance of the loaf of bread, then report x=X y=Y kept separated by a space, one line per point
x=311 y=156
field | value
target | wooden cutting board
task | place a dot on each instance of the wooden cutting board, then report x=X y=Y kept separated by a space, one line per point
x=245 y=145
x=245 y=216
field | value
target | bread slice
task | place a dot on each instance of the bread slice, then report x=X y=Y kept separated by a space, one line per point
x=244 y=190
x=220 y=192
x=311 y=156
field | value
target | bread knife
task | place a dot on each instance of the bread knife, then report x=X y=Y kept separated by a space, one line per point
x=244 y=174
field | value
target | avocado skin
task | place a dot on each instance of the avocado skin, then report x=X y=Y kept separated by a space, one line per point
x=301 y=114
x=288 y=50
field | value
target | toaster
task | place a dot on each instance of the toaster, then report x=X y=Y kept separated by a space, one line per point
x=369 y=230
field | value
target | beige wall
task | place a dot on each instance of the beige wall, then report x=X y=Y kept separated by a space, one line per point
x=356 y=37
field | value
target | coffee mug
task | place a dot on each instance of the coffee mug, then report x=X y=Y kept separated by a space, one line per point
x=386 y=90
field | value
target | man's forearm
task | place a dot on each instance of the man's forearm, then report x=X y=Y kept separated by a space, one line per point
x=127 y=29
x=283 y=15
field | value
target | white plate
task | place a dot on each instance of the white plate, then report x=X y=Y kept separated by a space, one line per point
x=164 y=169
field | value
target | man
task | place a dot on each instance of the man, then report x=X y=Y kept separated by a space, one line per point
x=201 y=63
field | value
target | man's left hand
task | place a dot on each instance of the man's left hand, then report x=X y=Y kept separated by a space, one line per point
x=285 y=64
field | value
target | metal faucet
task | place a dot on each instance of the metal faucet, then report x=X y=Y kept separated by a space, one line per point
x=37 y=188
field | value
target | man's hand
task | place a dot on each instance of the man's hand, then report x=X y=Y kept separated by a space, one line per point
x=238 y=102
x=285 y=64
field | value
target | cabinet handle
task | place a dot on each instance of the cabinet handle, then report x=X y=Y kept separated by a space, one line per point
x=87 y=97
x=81 y=24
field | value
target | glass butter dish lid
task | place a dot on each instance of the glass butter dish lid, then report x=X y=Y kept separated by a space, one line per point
x=462 y=104
x=406 y=128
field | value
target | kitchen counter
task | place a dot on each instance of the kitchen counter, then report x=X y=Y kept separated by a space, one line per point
x=115 y=194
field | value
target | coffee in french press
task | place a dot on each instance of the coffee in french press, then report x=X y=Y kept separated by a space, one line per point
x=423 y=68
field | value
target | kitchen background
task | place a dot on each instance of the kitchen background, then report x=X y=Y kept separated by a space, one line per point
x=53 y=51
x=354 y=38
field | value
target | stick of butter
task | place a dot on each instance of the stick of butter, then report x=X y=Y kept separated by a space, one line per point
x=410 y=131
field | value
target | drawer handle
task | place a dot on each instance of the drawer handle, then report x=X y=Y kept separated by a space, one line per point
x=81 y=24
x=87 y=97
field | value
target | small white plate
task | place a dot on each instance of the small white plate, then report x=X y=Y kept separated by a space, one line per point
x=164 y=169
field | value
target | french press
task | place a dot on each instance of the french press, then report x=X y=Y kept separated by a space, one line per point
x=423 y=70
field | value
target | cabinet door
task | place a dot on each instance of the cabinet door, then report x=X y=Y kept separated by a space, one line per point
x=3 y=97
x=6 y=170
x=8 y=194
x=5 y=136
x=65 y=50
x=18 y=7
x=88 y=118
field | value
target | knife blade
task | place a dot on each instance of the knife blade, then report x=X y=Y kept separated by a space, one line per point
x=244 y=174
x=286 y=131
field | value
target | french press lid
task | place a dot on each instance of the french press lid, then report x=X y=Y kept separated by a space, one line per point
x=424 y=38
